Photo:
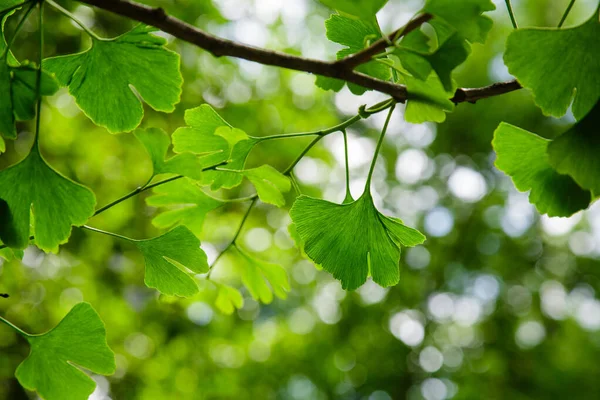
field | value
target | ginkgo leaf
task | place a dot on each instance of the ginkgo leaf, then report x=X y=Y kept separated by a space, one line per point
x=426 y=100
x=558 y=65
x=355 y=35
x=228 y=299
x=100 y=78
x=270 y=184
x=359 y=8
x=157 y=142
x=465 y=16
x=6 y=4
x=576 y=151
x=186 y=204
x=263 y=278
x=522 y=155
x=32 y=187
x=352 y=241
x=209 y=136
x=18 y=90
x=53 y=367
x=167 y=255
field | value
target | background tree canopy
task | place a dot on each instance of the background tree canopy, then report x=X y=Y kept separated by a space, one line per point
x=183 y=226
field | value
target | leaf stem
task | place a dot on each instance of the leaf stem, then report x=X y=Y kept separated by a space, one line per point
x=235 y=237
x=511 y=14
x=348 y=197
x=91 y=228
x=17 y=30
x=70 y=15
x=566 y=13
x=16 y=328
x=145 y=187
x=38 y=78
x=378 y=148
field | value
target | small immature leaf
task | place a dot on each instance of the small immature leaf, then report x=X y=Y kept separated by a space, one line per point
x=465 y=16
x=358 y=8
x=522 y=155
x=228 y=299
x=209 y=136
x=270 y=184
x=352 y=241
x=53 y=366
x=167 y=255
x=56 y=202
x=558 y=65
x=100 y=78
x=157 y=142
x=186 y=204
x=257 y=273
x=576 y=152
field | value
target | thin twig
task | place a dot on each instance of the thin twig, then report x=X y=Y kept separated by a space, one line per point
x=566 y=13
x=511 y=14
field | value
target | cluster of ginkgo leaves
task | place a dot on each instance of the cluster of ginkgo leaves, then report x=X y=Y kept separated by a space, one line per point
x=560 y=66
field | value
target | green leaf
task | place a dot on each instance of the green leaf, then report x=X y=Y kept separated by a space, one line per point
x=352 y=241
x=157 y=142
x=53 y=367
x=576 y=152
x=427 y=100
x=228 y=299
x=209 y=136
x=270 y=184
x=167 y=256
x=263 y=279
x=100 y=78
x=32 y=187
x=465 y=16
x=359 y=8
x=186 y=204
x=558 y=65
x=9 y=254
x=18 y=90
x=355 y=35
x=522 y=155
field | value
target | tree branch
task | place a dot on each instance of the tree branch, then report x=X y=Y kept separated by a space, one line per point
x=222 y=47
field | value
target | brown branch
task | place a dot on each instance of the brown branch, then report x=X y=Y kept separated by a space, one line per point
x=222 y=47
x=365 y=55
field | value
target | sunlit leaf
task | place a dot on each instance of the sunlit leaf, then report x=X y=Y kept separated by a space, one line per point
x=157 y=144
x=353 y=241
x=359 y=8
x=522 y=155
x=210 y=137
x=464 y=16
x=262 y=278
x=228 y=299
x=270 y=184
x=576 y=152
x=558 y=66
x=53 y=367
x=100 y=78
x=355 y=35
x=32 y=187
x=185 y=204
x=167 y=256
